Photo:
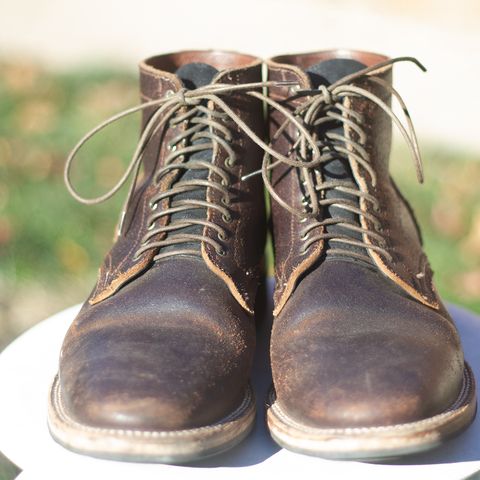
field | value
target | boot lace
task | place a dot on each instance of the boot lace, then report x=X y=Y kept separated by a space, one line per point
x=322 y=111
x=204 y=130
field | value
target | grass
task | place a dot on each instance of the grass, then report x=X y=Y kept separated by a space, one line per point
x=448 y=210
x=50 y=246
x=8 y=471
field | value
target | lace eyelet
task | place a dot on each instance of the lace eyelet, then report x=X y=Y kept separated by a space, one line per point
x=304 y=237
x=222 y=236
x=221 y=251
x=169 y=93
x=227 y=218
x=228 y=163
x=225 y=200
x=153 y=205
x=151 y=226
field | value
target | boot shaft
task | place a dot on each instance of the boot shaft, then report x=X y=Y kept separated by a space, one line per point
x=234 y=249
x=359 y=134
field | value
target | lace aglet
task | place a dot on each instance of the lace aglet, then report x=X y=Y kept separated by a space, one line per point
x=419 y=64
x=250 y=175
x=420 y=176
x=121 y=223
x=285 y=83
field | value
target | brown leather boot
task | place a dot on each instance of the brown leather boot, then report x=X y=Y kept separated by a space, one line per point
x=366 y=361
x=156 y=365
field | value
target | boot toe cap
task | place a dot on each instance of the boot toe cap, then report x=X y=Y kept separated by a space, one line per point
x=162 y=354
x=374 y=382
x=377 y=360
x=156 y=385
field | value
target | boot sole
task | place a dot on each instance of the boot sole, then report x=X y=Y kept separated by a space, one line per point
x=374 y=443
x=179 y=446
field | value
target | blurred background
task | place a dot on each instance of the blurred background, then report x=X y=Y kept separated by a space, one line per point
x=67 y=65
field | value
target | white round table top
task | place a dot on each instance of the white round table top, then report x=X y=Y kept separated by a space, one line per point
x=27 y=367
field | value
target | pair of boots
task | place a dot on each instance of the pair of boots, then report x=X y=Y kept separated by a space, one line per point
x=366 y=361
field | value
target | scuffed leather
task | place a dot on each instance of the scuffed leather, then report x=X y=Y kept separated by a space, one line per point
x=290 y=261
x=167 y=345
x=120 y=264
x=351 y=349
x=241 y=269
x=357 y=344
x=171 y=350
x=410 y=268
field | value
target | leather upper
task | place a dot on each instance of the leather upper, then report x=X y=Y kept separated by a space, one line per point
x=168 y=344
x=171 y=350
x=356 y=343
x=240 y=270
x=409 y=268
x=351 y=349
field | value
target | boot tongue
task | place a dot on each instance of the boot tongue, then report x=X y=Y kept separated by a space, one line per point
x=326 y=73
x=329 y=71
x=195 y=75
